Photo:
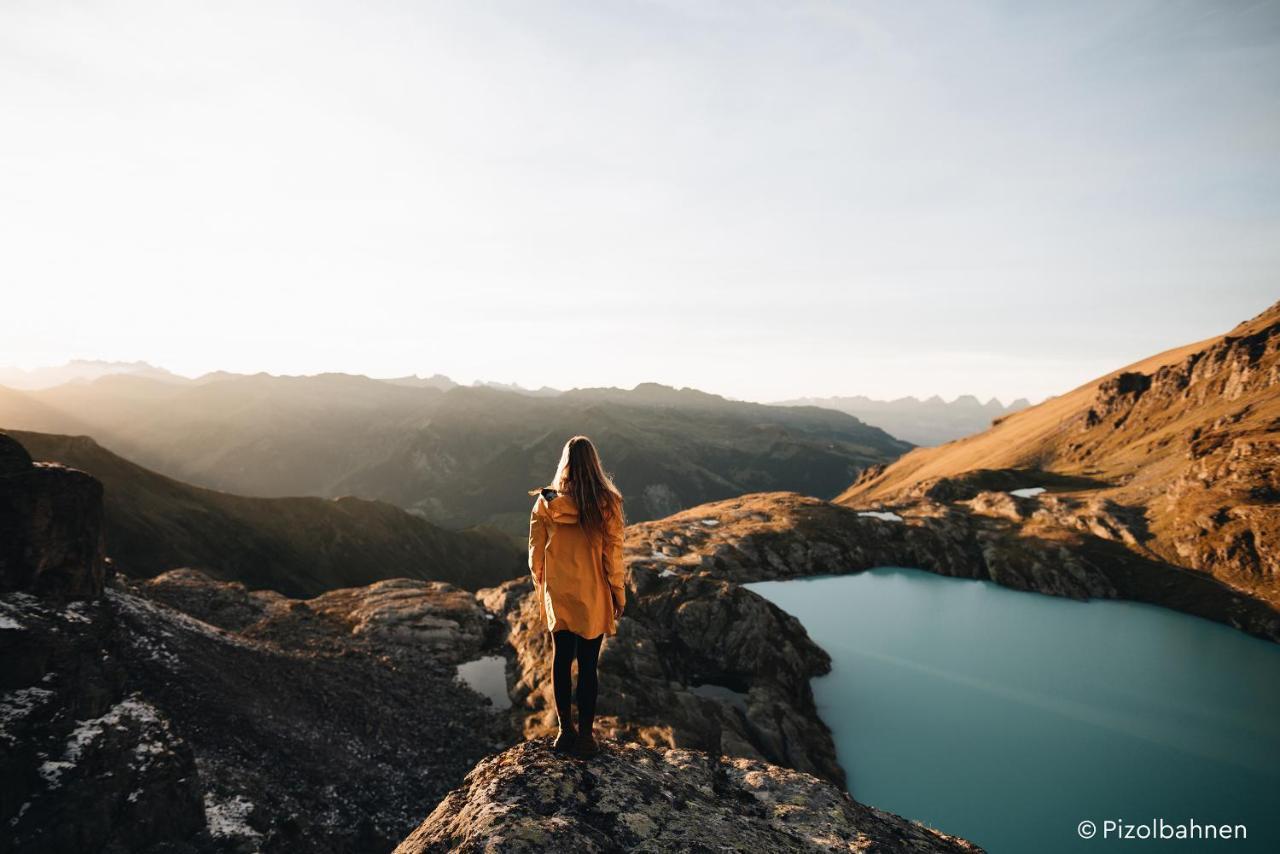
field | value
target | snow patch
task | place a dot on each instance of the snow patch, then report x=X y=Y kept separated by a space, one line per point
x=1027 y=492
x=667 y=573
x=13 y=822
x=711 y=523
x=144 y=609
x=18 y=599
x=52 y=771
x=229 y=818
x=75 y=613
x=17 y=705
x=17 y=604
x=88 y=731
x=883 y=515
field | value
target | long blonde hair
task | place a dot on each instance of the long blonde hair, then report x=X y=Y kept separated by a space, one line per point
x=581 y=476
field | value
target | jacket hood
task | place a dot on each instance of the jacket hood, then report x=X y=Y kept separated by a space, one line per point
x=561 y=509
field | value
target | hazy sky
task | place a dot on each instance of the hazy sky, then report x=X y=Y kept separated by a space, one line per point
x=764 y=200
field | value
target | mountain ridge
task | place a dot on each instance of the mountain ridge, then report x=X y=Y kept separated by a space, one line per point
x=458 y=457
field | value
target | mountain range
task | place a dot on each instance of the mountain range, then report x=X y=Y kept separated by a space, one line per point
x=237 y=719
x=457 y=457
x=81 y=370
x=932 y=421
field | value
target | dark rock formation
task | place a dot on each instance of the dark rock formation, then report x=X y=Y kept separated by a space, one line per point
x=50 y=527
x=86 y=763
x=634 y=798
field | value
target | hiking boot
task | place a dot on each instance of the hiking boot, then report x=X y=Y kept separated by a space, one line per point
x=565 y=740
x=584 y=745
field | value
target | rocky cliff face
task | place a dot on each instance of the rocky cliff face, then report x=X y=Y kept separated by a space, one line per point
x=635 y=798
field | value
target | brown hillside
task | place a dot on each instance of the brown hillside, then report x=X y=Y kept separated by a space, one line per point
x=1182 y=447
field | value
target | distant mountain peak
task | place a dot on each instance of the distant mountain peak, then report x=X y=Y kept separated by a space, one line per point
x=81 y=370
x=931 y=421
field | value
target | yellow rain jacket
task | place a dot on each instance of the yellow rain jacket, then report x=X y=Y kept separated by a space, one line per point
x=578 y=575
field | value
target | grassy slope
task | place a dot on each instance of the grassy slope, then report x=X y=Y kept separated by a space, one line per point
x=1025 y=439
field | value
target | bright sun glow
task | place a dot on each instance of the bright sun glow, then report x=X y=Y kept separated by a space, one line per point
x=765 y=200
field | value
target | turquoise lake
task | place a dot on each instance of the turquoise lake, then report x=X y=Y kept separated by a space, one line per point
x=1009 y=717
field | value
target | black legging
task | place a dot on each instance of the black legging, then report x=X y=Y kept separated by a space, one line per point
x=568 y=646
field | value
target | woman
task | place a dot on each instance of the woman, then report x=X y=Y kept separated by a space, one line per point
x=575 y=555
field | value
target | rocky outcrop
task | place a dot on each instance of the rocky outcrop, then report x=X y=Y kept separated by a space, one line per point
x=635 y=798
x=312 y=726
x=50 y=527
x=87 y=763
x=704 y=664
x=701 y=662
x=402 y=618
x=183 y=714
